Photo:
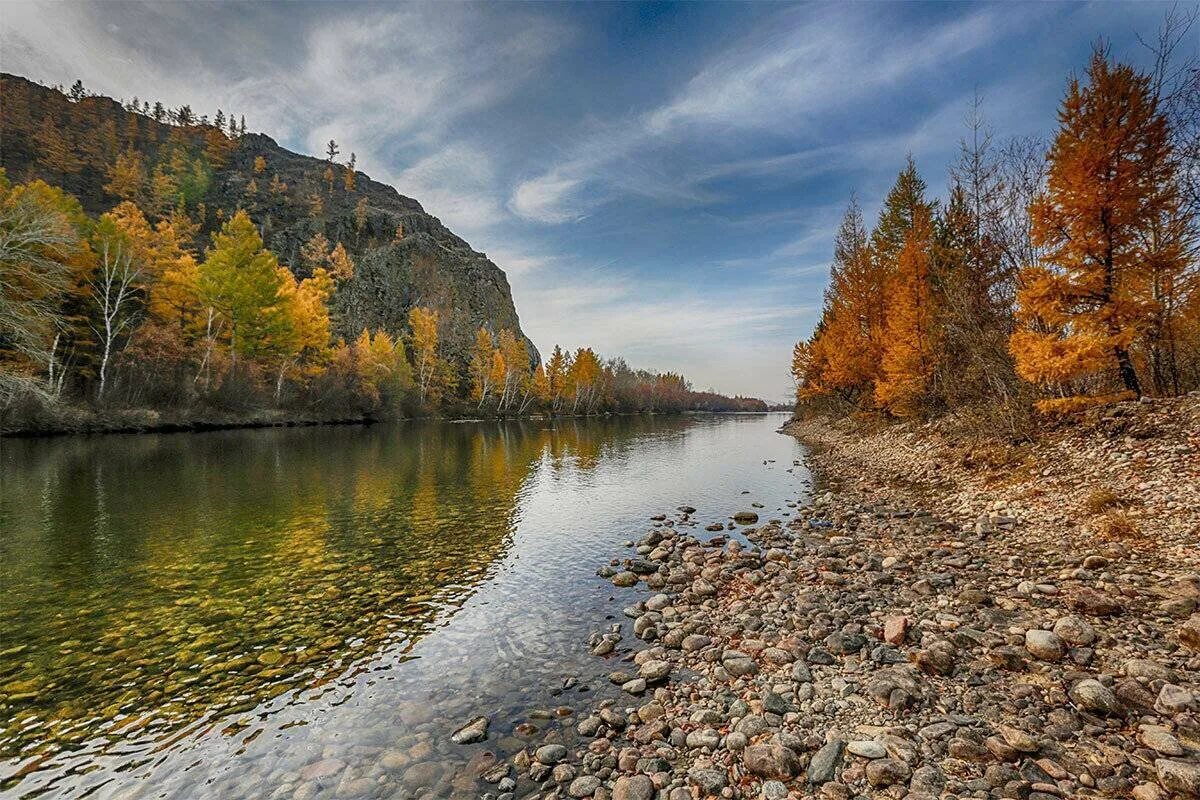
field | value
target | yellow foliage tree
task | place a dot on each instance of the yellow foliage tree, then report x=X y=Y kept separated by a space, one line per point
x=481 y=366
x=423 y=325
x=340 y=263
x=127 y=178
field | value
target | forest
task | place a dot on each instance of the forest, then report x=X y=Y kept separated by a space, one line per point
x=1055 y=277
x=130 y=281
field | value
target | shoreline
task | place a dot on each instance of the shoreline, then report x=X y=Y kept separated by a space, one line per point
x=939 y=620
x=138 y=421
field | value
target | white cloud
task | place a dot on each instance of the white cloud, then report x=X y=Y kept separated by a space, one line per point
x=542 y=199
x=458 y=184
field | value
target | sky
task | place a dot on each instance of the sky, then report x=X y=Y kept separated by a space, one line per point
x=659 y=181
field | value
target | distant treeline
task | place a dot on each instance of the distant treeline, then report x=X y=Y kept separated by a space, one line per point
x=1057 y=278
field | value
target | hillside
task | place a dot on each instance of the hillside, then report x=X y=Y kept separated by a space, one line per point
x=75 y=145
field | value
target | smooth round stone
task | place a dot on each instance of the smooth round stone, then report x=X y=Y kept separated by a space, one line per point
x=655 y=670
x=867 y=749
x=550 y=754
x=583 y=786
x=1044 y=645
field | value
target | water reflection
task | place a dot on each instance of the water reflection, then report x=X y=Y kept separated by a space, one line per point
x=228 y=610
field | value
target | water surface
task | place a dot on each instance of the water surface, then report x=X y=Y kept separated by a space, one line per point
x=311 y=612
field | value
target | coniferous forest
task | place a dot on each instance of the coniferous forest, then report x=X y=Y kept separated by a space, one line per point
x=1057 y=276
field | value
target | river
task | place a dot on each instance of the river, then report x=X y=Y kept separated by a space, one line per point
x=309 y=613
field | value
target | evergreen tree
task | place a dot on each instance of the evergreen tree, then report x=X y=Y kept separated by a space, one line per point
x=240 y=281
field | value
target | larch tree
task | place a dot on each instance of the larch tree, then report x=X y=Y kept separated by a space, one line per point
x=851 y=344
x=911 y=344
x=497 y=370
x=55 y=151
x=305 y=339
x=541 y=385
x=340 y=263
x=583 y=377
x=516 y=363
x=239 y=280
x=1111 y=178
x=360 y=217
x=127 y=178
x=556 y=377
x=904 y=201
x=314 y=254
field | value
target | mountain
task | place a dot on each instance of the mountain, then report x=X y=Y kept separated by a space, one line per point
x=85 y=143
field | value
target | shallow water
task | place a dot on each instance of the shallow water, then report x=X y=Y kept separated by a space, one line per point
x=311 y=612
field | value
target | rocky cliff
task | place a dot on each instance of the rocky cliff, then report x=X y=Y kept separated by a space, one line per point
x=75 y=144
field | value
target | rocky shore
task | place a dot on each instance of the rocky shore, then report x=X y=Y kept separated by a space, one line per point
x=941 y=620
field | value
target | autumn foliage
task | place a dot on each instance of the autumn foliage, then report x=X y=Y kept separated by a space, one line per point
x=1066 y=282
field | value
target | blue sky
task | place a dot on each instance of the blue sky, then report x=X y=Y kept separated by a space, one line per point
x=660 y=181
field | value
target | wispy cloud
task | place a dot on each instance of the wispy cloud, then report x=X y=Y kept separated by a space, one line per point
x=782 y=76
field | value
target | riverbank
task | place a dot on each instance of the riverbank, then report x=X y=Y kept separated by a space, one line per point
x=983 y=620
x=76 y=421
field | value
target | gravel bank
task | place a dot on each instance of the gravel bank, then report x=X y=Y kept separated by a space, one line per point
x=940 y=621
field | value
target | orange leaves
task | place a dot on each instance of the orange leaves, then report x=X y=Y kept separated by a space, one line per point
x=876 y=340
x=1050 y=358
x=1109 y=188
x=910 y=344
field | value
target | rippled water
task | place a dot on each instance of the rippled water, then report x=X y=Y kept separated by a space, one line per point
x=311 y=612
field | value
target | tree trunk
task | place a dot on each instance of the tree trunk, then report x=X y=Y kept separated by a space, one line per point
x=1128 y=374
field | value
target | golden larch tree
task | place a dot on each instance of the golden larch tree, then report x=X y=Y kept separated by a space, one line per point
x=1110 y=179
x=911 y=343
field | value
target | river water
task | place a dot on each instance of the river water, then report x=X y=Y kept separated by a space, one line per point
x=309 y=613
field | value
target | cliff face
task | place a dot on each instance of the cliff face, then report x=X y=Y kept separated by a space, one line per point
x=44 y=134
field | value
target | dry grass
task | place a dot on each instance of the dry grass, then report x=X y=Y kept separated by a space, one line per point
x=1118 y=525
x=1102 y=499
x=992 y=456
